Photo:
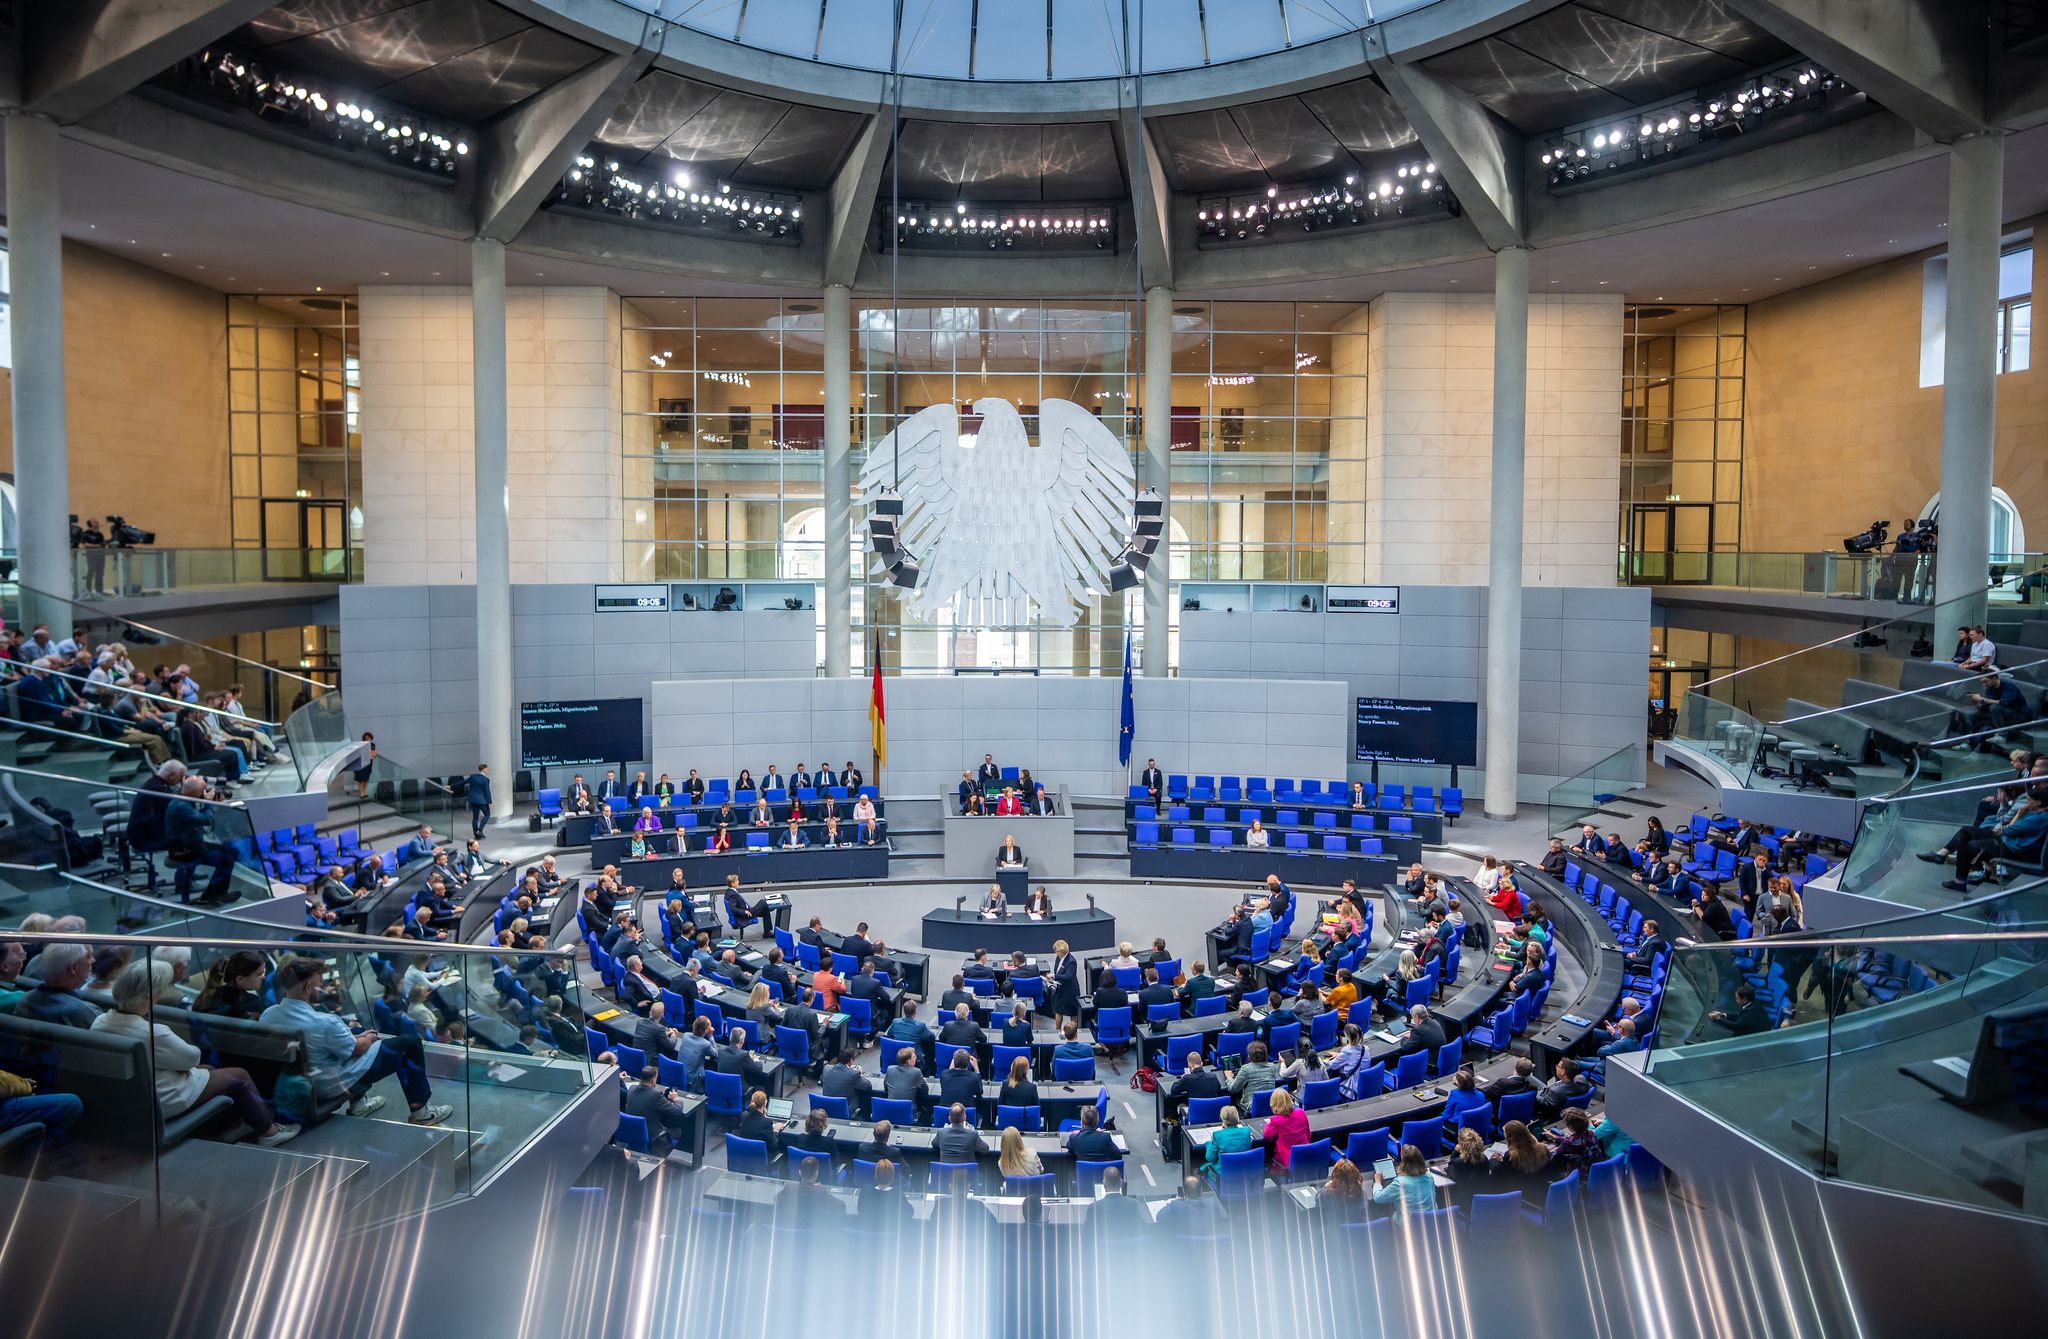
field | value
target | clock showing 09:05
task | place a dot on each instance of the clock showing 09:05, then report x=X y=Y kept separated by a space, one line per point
x=647 y=599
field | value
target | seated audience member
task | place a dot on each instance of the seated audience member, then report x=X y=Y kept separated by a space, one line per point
x=1017 y=1029
x=1256 y=835
x=661 y=1108
x=1750 y=1016
x=907 y=1028
x=1091 y=1143
x=843 y=1079
x=756 y=1124
x=867 y=828
x=958 y=1141
x=345 y=1061
x=1523 y=1165
x=1572 y=1145
x=233 y=986
x=61 y=971
x=181 y=1081
x=1286 y=1128
x=903 y=1081
x=1554 y=859
x=961 y=1081
x=1569 y=1085
x=1468 y=1168
x=1108 y=993
x=637 y=990
x=1257 y=1074
x=1018 y=1090
x=1198 y=1081
x=1658 y=839
x=1624 y=1041
x=961 y=1029
x=1712 y=913
x=1230 y=1137
x=1412 y=1186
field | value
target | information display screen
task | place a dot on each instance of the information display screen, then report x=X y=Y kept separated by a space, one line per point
x=580 y=734
x=648 y=599
x=1418 y=731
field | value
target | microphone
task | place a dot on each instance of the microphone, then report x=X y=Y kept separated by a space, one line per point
x=960 y=902
x=1091 y=901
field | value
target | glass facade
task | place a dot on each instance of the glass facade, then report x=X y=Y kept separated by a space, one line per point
x=294 y=430
x=724 y=427
x=1681 y=437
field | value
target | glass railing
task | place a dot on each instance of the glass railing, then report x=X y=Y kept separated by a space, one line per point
x=177 y=1059
x=1577 y=796
x=1867 y=703
x=1896 y=578
x=176 y=847
x=268 y=692
x=1889 y=1056
x=1894 y=832
x=125 y=573
x=389 y=785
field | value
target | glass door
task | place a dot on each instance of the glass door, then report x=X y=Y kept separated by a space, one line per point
x=1670 y=543
x=304 y=539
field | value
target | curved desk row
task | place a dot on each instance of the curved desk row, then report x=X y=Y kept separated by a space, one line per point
x=812 y=864
x=580 y=829
x=1429 y=827
x=1244 y=864
x=964 y=930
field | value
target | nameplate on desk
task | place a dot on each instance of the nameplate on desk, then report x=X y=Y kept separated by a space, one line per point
x=1280 y=965
x=1577 y=1021
x=605 y=1016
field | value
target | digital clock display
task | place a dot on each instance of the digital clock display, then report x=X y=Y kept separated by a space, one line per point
x=650 y=599
x=1364 y=600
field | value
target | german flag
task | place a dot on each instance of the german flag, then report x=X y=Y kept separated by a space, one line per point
x=877 y=718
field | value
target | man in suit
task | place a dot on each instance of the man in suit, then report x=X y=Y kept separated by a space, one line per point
x=1639 y=959
x=1523 y=1080
x=844 y=1079
x=1155 y=992
x=877 y=1146
x=1199 y=985
x=1753 y=880
x=793 y=836
x=988 y=773
x=1009 y=853
x=653 y=1036
x=857 y=945
x=826 y=778
x=693 y=786
x=577 y=798
x=477 y=793
x=1554 y=858
x=1424 y=1032
x=961 y=1029
x=1750 y=1016
x=1091 y=1143
x=1041 y=804
x=979 y=969
x=958 y=1141
x=660 y=1108
x=1278 y=897
x=965 y=789
x=799 y=779
x=799 y=1014
x=867 y=986
x=1071 y=1046
x=1589 y=842
x=772 y=780
x=1152 y=779
x=1569 y=1084
x=637 y=990
x=1666 y=878
x=1242 y=1020
x=609 y=789
x=883 y=1202
x=1199 y=1081
x=732 y=1058
x=777 y=973
x=903 y=1081
x=961 y=1081
x=850 y=777
x=957 y=996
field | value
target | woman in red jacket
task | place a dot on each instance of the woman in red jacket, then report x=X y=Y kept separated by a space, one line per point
x=1505 y=898
x=1285 y=1128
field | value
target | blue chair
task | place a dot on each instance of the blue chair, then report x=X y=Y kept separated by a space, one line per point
x=1234 y=1043
x=1146 y=834
x=1453 y=803
x=594 y=1042
x=860 y=1018
x=1372 y=1081
x=943 y=1053
x=757 y=841
x=1183 y=836
x=1401 y=823
x=793 y=1160
x=1039 y=1185
x=1074 y=1071
x=632 y=1133
x=1410 y=1070
x=953 y=1177
x=1165 y=1012
x=724 y=1094
x=1449 y=1056
x=1221 y=837
x=1366 y=1147
x=838 y=1108
x=1287 y=818
x=1283 y=1037
x=1262 y=1104
x=1178 y=1049
x=793 y=1044
x=1322 y=1030
x=1420 y=990
x=1335 y=843
x=1479 y=1119
x=861 y=1174
x=1113 y=1026
x=1241 y=1175
x=1030 y=1120
x=746 y=1156
x=1309 y=1162
x=1561 y=1201
x=1321 y=1093
x=1210 y=1005
x=808 y=957
x=672 y=1073
x=1030 y=988
x=1000 y=1058
x=549 y=802
x=1495 y=1217
x=895 y=1110
x=706 y=1009
x=1130 y=978
x=1088 y=1175
x=1323 y=819
x=1427 y=1135
x=1516 y=1106
x=1206 y=1110
x=631 y=1059
x=1296 y=841
x=1603 y=1181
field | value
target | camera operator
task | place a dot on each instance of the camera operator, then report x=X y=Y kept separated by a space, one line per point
x=94 y=541
x=121 y=535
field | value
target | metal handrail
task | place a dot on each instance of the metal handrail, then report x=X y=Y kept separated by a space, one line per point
x=154 y=631
x=1906 y=693
x=175 y=704
x=354 y=942
x=9 y=769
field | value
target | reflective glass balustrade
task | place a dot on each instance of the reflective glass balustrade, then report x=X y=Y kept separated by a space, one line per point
x=1906 y=1056
x=412 y=1076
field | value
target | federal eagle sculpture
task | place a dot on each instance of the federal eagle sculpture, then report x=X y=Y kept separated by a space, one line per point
x=997 y=518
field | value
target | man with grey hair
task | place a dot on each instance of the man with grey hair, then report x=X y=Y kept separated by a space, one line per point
x=63 y=968
x=152 y=802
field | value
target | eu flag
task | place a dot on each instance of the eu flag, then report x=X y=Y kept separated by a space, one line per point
x=1123 y=740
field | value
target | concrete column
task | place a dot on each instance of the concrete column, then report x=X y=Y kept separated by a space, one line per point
x=1158 y=471
x=1969 y=379
x=493 y=520
x=838 y=483
x=42 y=471
x=1504 y=540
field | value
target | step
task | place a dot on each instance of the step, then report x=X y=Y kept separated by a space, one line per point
x=402 y=1166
